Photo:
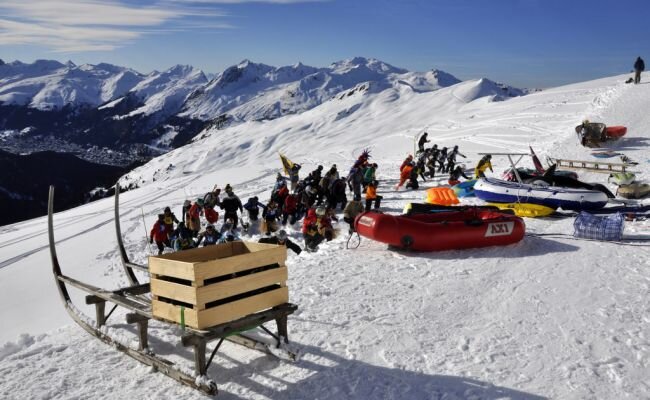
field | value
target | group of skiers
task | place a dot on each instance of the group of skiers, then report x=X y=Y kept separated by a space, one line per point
x=313 y=200
x=428 y=162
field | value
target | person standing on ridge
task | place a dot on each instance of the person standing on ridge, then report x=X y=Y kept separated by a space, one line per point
x=639 y=66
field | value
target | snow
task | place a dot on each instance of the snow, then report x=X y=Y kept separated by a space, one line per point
x=549 y=317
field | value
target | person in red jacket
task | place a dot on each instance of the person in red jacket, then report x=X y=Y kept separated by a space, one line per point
x=160 y=234
x=290 y=209
x=316 y=227
x=210 y=214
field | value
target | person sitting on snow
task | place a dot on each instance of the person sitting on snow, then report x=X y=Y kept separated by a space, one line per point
x=455 y=175
x=316 y=227
x=228 y=232
x=282 y=239
x=209 y=237
x=183 y=238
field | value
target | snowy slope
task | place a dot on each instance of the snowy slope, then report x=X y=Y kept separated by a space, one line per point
x=549 y=317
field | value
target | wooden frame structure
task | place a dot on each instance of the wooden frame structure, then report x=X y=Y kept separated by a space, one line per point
x=136 y=299
x=592 y=166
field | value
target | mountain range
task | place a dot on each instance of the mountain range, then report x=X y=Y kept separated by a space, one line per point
x=116 y=107
x=112 y=115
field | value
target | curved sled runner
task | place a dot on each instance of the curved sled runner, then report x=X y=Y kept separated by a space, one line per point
x=136 y=299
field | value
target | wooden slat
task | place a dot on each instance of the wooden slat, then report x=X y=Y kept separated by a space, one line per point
x=237 y=309
x=222 y=250
x=221 y=314
x=175 y=268
x=231 y=287
x=108 y=296
x=170 y=312
x=242 y=262
x=176 y=291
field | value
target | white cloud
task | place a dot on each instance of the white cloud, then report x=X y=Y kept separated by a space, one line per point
x=100 y=25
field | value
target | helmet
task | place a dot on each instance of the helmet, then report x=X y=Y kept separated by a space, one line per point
x=320 y=211
x=282 y=235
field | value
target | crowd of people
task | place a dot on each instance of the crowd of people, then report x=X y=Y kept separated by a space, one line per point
x=313 y=199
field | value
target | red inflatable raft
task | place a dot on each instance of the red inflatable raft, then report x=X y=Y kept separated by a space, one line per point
x=615 y=132
x=446 y=230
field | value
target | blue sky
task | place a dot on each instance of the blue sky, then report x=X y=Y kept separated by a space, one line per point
x=526 y=43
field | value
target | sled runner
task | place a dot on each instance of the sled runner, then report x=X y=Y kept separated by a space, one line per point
x=137 y=299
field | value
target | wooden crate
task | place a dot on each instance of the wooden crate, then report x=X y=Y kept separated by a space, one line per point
x=217 y=284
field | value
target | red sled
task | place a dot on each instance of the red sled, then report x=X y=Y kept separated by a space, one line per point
x=446 y=230
x=615 y=132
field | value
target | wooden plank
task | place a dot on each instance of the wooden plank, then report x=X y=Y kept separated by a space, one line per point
x=237 y=309
x=560 y=160
x=170 y=312
x=242 y=262
x=231 y=287
x=177 y=269
x=176 y=291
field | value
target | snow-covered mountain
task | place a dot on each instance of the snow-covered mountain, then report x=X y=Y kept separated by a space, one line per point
x=552 y=316
x=47 y=85
x=154 y=109
x=250 y=91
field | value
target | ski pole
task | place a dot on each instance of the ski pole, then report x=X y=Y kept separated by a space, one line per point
x=146 y=237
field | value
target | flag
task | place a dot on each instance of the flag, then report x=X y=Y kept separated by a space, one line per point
x=536 y=162
x=286 y=164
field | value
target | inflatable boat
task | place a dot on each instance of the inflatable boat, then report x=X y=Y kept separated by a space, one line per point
x=447 y=230
x=497 y=191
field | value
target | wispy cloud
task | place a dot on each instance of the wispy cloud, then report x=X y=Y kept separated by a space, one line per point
x=104 y=25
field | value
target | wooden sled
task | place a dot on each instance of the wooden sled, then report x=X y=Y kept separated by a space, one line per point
x=137 y=300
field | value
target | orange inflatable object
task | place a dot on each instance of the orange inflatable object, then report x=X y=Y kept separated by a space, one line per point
x=443 y=196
